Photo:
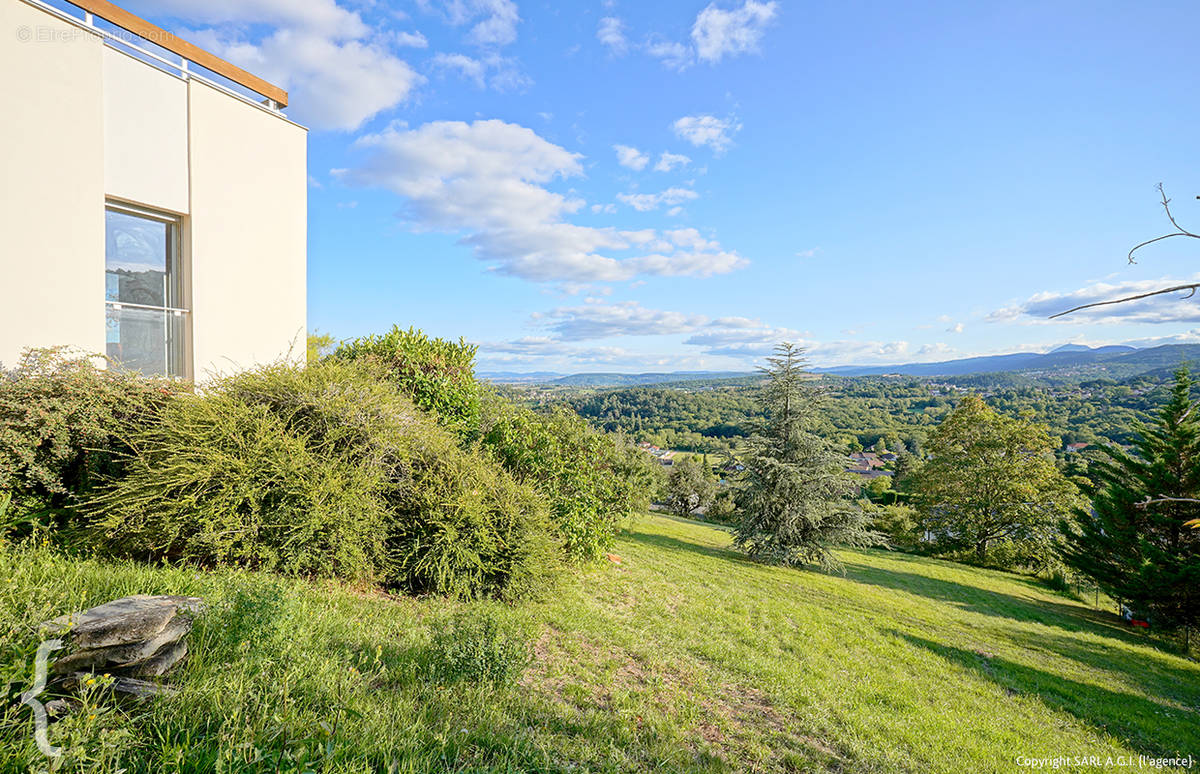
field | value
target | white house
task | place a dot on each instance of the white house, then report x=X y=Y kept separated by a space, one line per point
x=152 y=196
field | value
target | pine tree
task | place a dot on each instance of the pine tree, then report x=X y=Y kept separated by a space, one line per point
x=794 y=502
x=1135 y=541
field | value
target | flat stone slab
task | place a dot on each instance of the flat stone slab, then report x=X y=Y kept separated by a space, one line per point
x=118 y=656
x=125 y=621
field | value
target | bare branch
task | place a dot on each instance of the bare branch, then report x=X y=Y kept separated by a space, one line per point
x=1191 y=287
x=1179 y=230
x=1163 y=499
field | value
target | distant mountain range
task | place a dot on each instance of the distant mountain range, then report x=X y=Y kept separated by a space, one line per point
x=1113 y=361
x=1118 y=361
x=606 y=379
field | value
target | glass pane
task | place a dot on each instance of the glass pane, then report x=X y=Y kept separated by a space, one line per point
x=145 y=340
x=139 y=263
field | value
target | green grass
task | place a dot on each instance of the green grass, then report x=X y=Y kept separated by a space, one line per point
x=684 y=657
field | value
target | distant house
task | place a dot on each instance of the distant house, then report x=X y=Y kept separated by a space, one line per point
x=154 y=198
x=1076 y=447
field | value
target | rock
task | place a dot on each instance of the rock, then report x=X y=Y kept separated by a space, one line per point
x=124 y=621
x=99 y=659
x=161 y=662
x=129 y=638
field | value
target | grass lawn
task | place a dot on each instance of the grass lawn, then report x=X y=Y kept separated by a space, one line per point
x=683 y=657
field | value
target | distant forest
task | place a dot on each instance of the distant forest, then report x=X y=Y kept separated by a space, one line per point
x=713 y=416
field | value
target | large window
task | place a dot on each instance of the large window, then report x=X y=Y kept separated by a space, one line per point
x=146 y=319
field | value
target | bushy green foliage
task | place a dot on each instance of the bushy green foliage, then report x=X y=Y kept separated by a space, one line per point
x=478 y=648
x=794 y=498
x=592 y=482
x=62 y=420
x=438 y=375
x=724 y=509
x=690 y=486
x=899 y=524
x=993 y=478
x=1135 y=541
x=326 y=470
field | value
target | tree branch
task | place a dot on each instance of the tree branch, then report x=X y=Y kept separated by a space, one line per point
x=1179 y=230
x=1192 y=287
x=1163 y=499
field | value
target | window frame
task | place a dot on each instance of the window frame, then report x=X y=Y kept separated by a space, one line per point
x=177 y=358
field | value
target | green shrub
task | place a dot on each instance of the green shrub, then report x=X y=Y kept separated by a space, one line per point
x=478 y=648
x=724 y=509
x=592 y=481
x=328 y=471
x=61 y=424
x=899 y=524
x=438 y=375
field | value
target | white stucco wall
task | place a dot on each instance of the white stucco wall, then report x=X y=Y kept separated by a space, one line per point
x=145 y=134
x=81 y=122
x=51 y=184
x=248 y=233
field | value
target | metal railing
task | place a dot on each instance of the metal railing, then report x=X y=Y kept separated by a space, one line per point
x=132 y=44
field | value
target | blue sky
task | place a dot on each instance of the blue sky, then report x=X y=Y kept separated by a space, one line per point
x=678 y=185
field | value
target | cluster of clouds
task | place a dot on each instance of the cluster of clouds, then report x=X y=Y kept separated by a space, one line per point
x=1178 y=307
x=488 y=181
x=565 y=328
x=717 y=33
x=343 y=70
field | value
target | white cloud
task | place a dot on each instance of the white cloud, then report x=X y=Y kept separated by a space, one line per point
x=668 y=161
x=707 y=130
x=631 y=157
x=647 y=202
x=339 y=72
x=335 y=84
x=1170 y=308
x=410 y=39
x=501 y=73
x=809 y=253
x=611 y=33
x=469 y=68
x=718 y=33
x=674 y=56
x=629 y=318
x=488 y=181
x=607 y=209
x=955 y=328
x=494 y=22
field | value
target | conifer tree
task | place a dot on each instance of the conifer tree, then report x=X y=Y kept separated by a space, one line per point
x=794 y=501
x=1135 y=541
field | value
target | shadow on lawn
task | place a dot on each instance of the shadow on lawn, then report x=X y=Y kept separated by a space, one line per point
x=1149 y=727
x=1072 y=618
x=675 y=544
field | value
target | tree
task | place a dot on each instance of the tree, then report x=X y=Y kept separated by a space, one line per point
x=690 y=486
x=992 y=477
x=880 y=446
x=1135 y=541
x=794 y=500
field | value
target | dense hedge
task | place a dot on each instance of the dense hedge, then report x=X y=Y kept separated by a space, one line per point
x=325 y=470
x=591 y=481
x=62 y=423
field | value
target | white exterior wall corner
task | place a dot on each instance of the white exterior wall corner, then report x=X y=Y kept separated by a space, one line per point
x=248 y=232
x=51 y=184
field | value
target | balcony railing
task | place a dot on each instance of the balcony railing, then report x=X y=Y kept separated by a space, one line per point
x=164 y=50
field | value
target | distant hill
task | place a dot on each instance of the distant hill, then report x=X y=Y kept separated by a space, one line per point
x=1073 y=359
x=1117 y=361
x=607 y=379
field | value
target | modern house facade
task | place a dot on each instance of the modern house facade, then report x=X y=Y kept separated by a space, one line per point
x=153 y=198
